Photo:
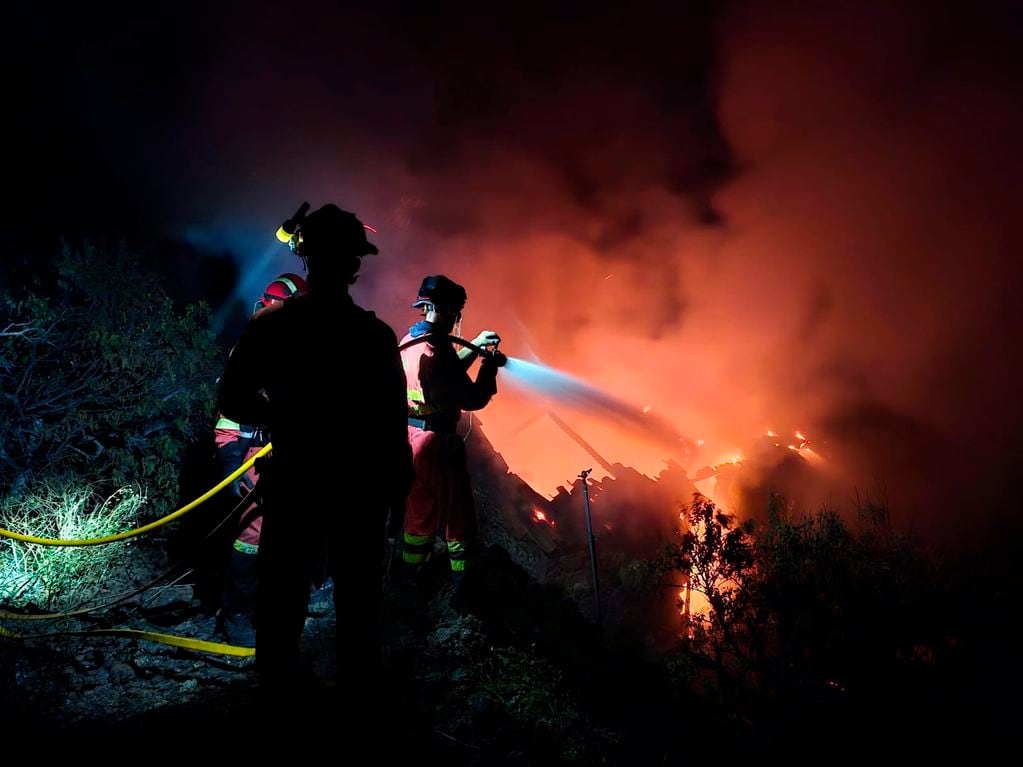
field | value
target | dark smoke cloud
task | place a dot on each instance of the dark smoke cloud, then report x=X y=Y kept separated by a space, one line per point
x=878 y=210
x=741 y=216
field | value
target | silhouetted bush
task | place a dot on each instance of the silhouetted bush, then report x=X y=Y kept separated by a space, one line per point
x=102 y=381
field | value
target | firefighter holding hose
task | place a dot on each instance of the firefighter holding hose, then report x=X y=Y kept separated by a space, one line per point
x=439 y=389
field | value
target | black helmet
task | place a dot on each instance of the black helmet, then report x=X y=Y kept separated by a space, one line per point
x=442 y=293
x=331 y=228
x=327 y=229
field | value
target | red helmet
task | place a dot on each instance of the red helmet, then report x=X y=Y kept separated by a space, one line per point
x=282 y=287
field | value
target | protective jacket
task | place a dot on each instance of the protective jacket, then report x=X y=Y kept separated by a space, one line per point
x=439 y=386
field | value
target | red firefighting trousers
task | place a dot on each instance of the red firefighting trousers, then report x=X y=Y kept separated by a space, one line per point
x=440 y=501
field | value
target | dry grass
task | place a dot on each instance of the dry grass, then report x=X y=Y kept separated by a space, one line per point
x=56 y=578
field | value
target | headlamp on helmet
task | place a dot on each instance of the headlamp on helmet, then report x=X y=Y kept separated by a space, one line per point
x=290 y=232
x=330 y=229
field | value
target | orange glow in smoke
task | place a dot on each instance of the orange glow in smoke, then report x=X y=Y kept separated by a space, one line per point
x=734 y=457
x=758 y=313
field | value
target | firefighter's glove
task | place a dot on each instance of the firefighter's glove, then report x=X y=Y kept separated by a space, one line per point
x=243 y=486
x=486 y=339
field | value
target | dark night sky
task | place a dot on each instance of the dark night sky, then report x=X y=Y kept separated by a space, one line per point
x=741 y=214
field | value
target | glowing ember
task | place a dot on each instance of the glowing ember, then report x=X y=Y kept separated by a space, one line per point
x=771 y=432
x=646 y=408
x=539 y=516
x=800 y=437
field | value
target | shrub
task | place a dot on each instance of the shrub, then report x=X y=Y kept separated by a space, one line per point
x=103 y=381
x=56 y=578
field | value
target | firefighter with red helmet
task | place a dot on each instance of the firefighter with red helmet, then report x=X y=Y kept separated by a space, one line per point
x=439 y=389
x=235 y=444
x=283 y=286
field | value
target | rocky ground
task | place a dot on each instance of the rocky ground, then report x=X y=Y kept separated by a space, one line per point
x=526 y=679
x=504 y=685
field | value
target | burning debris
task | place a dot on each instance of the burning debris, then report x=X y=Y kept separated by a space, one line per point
x=633 y=517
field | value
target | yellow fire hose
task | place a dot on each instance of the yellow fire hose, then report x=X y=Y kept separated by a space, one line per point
x=84 y=610
x=145 y=528
x=152 y=636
